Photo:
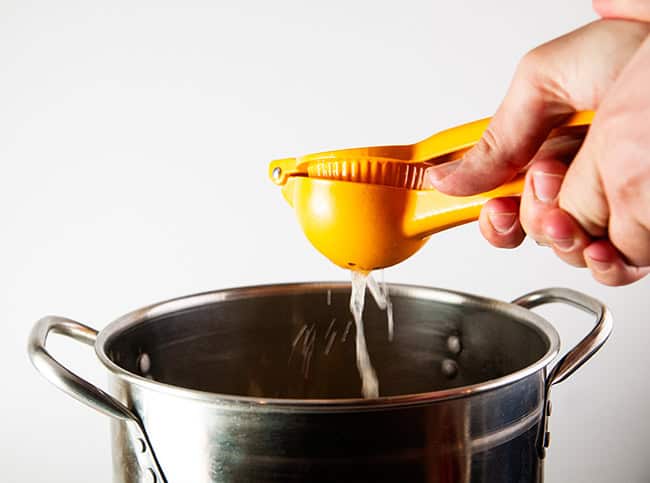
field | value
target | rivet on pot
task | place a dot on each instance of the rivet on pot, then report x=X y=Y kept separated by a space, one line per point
x=150 y=476
x=141 y=446
x=453 y=344
x=449 y=368
x=144 y=363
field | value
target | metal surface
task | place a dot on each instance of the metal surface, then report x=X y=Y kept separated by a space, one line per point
x=578 y=355
x=588 y=346
x=84 y=391
x=221 y=384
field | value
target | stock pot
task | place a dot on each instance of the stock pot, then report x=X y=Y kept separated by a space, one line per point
x=259 y=384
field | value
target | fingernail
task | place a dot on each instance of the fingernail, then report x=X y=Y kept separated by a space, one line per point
x=546 y=186
x=502 y=222
x=563 y=244
x=598 y=265
x=435 y=174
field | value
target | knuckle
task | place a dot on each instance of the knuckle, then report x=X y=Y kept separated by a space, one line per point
x=624 y=164
x=631 y=239
x=628 y=186
x=488 y=145
x=543 y=76
x=531 y=61
x=591 y=216
x=490 y=152
x=554 y=88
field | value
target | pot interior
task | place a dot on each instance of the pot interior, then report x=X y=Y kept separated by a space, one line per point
x=256 y=342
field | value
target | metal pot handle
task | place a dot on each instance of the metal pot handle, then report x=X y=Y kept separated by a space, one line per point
x=81 y=389
x=588 y=346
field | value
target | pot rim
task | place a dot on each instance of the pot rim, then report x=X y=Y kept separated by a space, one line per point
x=156 y=310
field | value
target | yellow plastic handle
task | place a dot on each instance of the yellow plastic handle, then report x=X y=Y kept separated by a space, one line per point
x=434 y=211
x=440 y=146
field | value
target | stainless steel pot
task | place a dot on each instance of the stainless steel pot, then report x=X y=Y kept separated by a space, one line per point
x=259 y=384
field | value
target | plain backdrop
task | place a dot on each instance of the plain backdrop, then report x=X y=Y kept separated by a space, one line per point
x=134 y=143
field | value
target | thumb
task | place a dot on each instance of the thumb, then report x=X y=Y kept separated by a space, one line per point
x=528 y=113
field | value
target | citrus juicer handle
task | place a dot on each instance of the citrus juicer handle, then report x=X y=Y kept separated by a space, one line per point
x=452 y=143
x=434 y=211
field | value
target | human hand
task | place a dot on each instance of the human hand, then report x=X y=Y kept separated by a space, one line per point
x=594 y=212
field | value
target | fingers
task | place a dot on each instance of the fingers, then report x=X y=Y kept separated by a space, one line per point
x=607 y=187
x=520 y=126
x=621 y=138
x=582 y=194
x=608 y=267
x=549 y=225
x=561 y=148
x=543 y=182
x=566 y=237
x=630 y=237
x=543 y=220
x=572 y=72
x=499 y=223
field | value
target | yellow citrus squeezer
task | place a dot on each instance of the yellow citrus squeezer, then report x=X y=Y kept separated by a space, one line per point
x=366 y=209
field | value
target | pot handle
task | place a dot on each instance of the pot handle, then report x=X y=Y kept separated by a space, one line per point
x=590 y=344
x=63 y=378
x=81 y=389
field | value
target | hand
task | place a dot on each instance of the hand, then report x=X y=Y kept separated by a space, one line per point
x=594 y=212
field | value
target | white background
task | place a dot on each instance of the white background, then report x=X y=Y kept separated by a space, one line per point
x=134 y=142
